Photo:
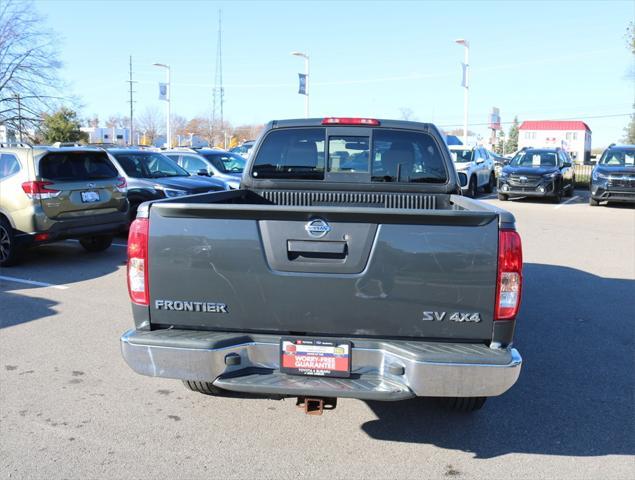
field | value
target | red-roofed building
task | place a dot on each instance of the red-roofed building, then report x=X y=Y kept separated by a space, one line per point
x=572 y=135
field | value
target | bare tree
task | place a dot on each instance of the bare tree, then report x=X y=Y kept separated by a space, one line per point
x=178 y=125
x=29 y=66
x=151 y=124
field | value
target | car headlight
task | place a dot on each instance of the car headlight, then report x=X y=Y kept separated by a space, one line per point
x=171 y=192
x=599 y=175
x=503 y=174
x=550 y=175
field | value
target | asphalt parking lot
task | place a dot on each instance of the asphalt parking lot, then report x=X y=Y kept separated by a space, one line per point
x=71 y=408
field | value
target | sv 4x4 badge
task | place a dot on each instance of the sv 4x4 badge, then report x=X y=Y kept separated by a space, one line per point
x=454 y=317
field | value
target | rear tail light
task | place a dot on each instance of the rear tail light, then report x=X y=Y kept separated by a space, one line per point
x=138 y=262
x=122 y=185
x=510 y=275
x=38 y=190
x=349 y=121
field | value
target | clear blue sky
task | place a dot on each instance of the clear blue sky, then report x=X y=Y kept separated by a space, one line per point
x=537 y=60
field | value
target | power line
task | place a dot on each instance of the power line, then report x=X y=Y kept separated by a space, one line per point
x=585 y=117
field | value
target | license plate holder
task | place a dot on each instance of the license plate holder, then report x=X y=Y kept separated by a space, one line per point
x=90 y=196
x=315 y=357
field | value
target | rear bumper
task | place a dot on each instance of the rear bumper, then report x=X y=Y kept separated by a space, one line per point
x=381 y=370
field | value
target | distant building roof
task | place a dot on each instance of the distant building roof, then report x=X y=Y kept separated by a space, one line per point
x=554 y=125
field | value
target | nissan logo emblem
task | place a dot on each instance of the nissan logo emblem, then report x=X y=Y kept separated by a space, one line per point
x=317 y=228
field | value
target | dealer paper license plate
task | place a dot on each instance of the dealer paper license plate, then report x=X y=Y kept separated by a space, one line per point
x=316 y=357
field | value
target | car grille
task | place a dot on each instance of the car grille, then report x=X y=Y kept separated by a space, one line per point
x=524 y=180
x=622 y=181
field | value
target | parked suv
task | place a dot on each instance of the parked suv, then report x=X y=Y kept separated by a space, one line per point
x=475 y=167
x=49 y=194
x=244 y=148
x=613 y=178
x=152 y=175
x=224 y=166
x=537 y=172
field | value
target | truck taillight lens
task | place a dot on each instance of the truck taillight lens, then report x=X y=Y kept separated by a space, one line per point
x=350 y=121
x=39 y=189
x=138 y=262
x=510 y=275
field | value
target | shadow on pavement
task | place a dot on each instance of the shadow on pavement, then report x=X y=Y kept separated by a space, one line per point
x=15 y=310
x=574 y=396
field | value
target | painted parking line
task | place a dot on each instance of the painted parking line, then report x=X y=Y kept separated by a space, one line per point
x=33 y=282
x=568 y=201
x=123 y=245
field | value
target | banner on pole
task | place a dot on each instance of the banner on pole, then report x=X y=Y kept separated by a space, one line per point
x=302 y=88
x=163 y=91
x=464 y=70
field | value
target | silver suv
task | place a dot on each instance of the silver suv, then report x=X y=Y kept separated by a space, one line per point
x=223 y=166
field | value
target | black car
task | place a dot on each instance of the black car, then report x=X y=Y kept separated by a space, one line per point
x=537 y=172
x=151 y=176
x=613 y=178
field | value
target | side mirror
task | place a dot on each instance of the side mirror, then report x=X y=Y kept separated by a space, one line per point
x=566 y=164
x=479 y=161
x=203 y=172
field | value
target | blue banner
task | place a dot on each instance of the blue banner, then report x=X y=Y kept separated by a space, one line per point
x=302 y=89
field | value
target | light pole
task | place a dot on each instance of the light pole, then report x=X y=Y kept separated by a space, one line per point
x=169 y=99
x=306 y=77
x=466 y=84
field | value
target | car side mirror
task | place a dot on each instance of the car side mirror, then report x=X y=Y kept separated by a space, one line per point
x=203 y=172
x=479 y=160
x=566 y=164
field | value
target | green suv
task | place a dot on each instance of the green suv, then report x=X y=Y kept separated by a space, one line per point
x=49 y=194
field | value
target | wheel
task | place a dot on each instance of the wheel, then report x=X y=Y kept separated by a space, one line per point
x=206 y=388
x=593 y=202
x=463 y=404
x=502 y=197
x=489 y=188
x=557 y=196
x=472 y=188
x=96 y=243
x=569 y=192
x=10 y=253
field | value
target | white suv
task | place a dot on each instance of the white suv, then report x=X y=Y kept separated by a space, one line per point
x=475 y=167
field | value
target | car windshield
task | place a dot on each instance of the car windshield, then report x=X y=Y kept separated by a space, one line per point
x=226 y=162
x=462 y=156
x=149 y=165
x=535 y=159
x=618 y=157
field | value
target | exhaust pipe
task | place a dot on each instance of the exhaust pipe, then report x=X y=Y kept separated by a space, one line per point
x=315 y=406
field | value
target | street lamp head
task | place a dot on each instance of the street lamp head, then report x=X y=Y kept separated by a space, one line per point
x=299 y=54
x=163 y=65
x=461 y=41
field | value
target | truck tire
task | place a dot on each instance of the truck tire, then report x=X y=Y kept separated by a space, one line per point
x=96 y=243
x=489 y=188
x=10 y=253
x=206 y=388
x=463 y=404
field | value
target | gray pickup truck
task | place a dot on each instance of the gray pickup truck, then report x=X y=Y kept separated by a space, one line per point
x=347 y=265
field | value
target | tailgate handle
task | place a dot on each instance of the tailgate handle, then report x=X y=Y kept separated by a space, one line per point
x=313 y=249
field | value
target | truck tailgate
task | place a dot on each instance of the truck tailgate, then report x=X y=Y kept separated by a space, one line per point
x=409 y=274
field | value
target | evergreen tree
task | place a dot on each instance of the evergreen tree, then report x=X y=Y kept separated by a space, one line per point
x=62 y=126
x=512 y=138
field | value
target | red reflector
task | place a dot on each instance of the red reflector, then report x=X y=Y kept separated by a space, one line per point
x=349 y=121
x=138 y=262
x=510 y=275
x=42 y=237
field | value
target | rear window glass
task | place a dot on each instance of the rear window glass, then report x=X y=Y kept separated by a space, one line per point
x=296 y=153
x=77 y=166
x=390 y=156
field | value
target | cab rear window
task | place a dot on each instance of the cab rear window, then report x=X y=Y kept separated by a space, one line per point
x=386 y=155
x=76 y=166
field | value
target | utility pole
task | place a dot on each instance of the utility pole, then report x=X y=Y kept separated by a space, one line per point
x=17 y=97
x=219 y=91
x=131 y=101
x=466 y=85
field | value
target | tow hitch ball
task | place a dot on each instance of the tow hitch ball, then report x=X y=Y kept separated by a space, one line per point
x=315 y=406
